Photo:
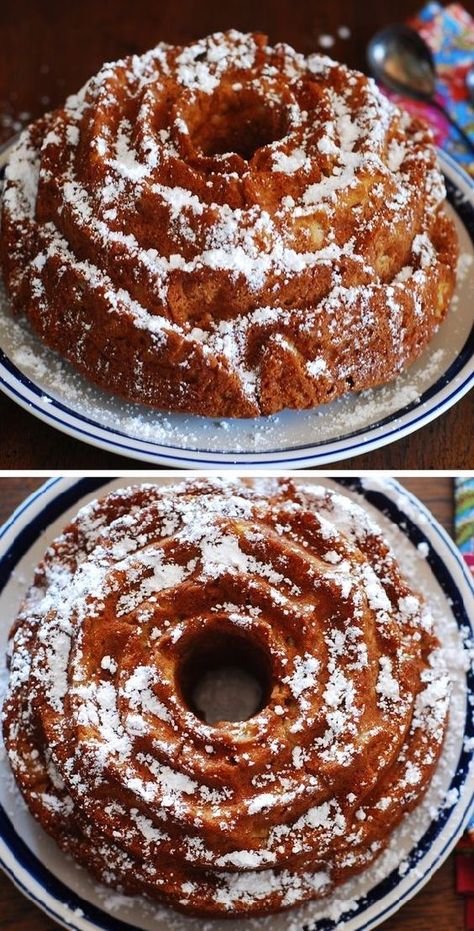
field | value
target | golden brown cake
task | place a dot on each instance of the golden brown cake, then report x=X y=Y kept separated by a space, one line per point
x=229 y=229
x=143 y=590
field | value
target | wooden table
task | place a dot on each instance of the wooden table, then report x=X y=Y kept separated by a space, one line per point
x=49 y=49
x=435 y=908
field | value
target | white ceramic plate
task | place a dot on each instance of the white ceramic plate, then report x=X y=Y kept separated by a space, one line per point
x=417 y=848
x=49 y=388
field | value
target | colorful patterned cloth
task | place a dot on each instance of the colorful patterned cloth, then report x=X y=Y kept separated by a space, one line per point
x=464 y=535
x=464 y=518
x=449 y=31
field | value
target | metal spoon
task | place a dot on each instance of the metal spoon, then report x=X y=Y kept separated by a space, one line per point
x=400 y=59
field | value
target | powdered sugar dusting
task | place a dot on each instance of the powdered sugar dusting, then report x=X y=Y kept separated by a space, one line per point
x=321 y=815
x=145 y=556
x=258 y=230
x=57 y=381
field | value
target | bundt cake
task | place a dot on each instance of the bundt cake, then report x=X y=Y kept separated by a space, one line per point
x=151 y=586
x=229 y=229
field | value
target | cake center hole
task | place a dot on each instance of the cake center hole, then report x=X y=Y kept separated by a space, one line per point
x=239 y=123
x=225 y=677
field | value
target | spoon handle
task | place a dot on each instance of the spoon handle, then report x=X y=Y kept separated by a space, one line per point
x=469 y=143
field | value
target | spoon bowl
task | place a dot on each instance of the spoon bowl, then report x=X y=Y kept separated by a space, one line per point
x=400 y=59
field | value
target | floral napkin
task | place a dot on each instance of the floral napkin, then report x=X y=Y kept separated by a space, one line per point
x=464 y=535
x=449 y=31
x=464 y=518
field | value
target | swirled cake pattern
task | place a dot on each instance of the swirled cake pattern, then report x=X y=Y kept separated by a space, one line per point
x=241 y=817
x=229 y=229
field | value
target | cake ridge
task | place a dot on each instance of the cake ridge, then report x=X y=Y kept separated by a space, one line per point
x=243 y=817
x=139 y=179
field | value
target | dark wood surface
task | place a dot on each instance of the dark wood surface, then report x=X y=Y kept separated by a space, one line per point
x=48 y=49
x=435 y=908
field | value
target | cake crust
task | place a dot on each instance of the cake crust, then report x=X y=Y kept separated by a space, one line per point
x=234 y=818
x=229 y=229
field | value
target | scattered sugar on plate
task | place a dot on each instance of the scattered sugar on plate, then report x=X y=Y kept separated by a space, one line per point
x=326 y=41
